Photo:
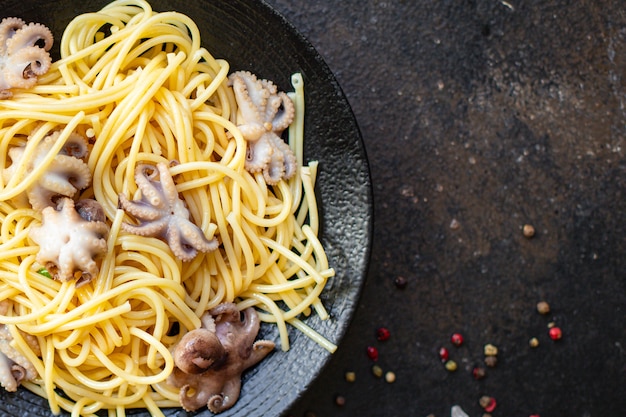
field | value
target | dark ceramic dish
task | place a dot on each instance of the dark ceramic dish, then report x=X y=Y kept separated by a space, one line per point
x=251 y=36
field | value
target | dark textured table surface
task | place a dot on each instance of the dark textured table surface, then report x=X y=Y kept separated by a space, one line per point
x=481 y=116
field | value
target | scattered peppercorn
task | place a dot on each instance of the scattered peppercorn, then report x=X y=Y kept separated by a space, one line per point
x=491 y=361
x=534 y=342
x=372 y=353
x=479 y=373
x=340 y=400
x=451 y=366
x=490 y=350
x=488 y=403
x=444 y=354
x=555 y=333
x=401 y=282
x=543 y=307
x=456 y=339
x=350 y=376
x=528 y=230
x=484 y=401
x=382 y=334
x=377 y=371
x=486 y=415
x=551 y=325
x=390 y=377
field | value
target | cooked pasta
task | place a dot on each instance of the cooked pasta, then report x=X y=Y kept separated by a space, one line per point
x=141 y=87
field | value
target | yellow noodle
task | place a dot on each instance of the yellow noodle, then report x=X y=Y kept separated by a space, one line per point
x=147 y=92
x=300 y=325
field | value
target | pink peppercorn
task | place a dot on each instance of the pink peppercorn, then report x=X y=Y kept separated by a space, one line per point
x=401 y=283
x=456 y=339
x=478 y=373
x=372 y=353
x=382 y=334
x=555 y=333
x=487 y=403
x=491 y=406
x=444 y=354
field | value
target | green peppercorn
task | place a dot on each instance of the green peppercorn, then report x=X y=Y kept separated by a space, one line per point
x=377 y=371
x=451 y=366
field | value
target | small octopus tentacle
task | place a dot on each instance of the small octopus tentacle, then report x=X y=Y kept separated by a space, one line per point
x=32 y=59
x=192 y=402
x=269 y=86
x=228 y=397
x=258 y=155
x=72 y=169
x=19 y=373
x=289 y=159
x=8 y=27
x=29 y=35
x=260 y=349
x=25 y=65
x=75 y=146
x=275 y=170
x=250 y=95
x=229 y=310
x=16 y=367
x=184 y=252
x=7 y=379
x=66 y=175
x=152 y=191
x=273 y=106
x=249 y=326
x=285 y=111
x=216 y=403
x=167 y=184
x=187 y=239
x=152 y=228
x=138 y=209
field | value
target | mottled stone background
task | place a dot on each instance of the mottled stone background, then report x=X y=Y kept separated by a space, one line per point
x=480 y=116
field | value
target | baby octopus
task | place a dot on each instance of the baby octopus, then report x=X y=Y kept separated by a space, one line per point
x=210 y=360
x=70 y=238
x=14 y=367
x=162 y=213
x=67 y=173
x=263 y=115
x=22 y=60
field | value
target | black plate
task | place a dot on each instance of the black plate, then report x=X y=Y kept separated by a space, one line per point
x=251 y=36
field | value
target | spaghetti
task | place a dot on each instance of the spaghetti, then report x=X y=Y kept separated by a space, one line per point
x=141 y=87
